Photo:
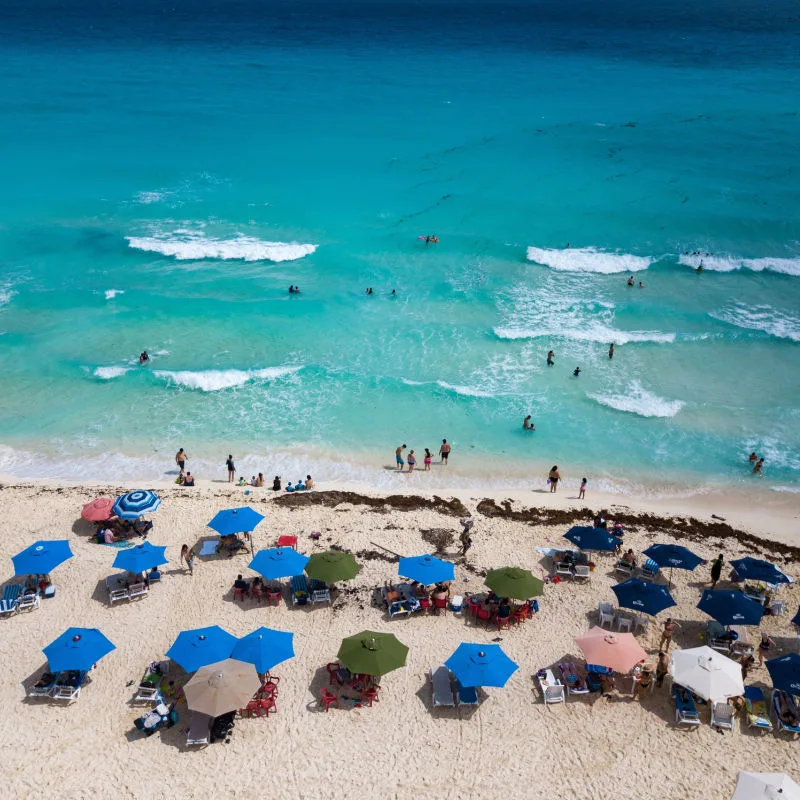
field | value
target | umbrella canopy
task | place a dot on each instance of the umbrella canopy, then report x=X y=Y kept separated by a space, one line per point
x=140 y=558
x=618 y=651
x=796 y=618
x=78 y=649
x=235 y=520
x=426 y=569
x=41 y=557
x=279 y=562
x=202 y=646
x=674 y=556
x=264 y=648
x=481 y=665
x=133 y=504
x=649 y=598
x=98 y=510
x=371 y=653
x=219 y=688
x=785 y=673
x=332 y=566
x=754 y=569
x=707 y=673
x=766 y=785
x=514 y=582
x=588 y=538
x=731 y=607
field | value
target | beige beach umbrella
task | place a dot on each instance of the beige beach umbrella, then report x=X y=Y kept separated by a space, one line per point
x=222 y=687
x=775 y=785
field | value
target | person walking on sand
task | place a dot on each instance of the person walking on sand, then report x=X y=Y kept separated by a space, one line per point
x=231 y=468
x=465 y=538
x=666 y=635
x=582 y=490
x=662 y=668
x=180 y=459
x=716 y=570
x=611 y=350
x=427 y=460
x=187 y=555
x=553 y=477
x=444 y=451
x=412 y=461
x=398 y=457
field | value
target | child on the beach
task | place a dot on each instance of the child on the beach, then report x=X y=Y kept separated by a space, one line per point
x=427 y=460
x=582 y=490
x=187 y=555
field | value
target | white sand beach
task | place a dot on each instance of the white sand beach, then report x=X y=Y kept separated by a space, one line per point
x=400 y=748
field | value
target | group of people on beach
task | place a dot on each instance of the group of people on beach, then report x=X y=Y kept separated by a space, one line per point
x=444 y=455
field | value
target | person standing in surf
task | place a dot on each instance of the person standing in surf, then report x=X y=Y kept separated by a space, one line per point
x=611 y=350
x=231 y=468
x=180 y=459
x=554 y=477
x=444 y=451
x=398 y=457
x=550 y=356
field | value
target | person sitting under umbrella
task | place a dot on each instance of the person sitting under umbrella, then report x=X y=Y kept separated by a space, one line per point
x=629 y=558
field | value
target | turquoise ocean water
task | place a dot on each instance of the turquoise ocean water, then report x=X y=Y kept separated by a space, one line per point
x=170 y=169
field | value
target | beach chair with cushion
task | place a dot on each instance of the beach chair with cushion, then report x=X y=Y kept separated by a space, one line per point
x=68 y=686
x=320 y=593
x=466 y=695
x=722 y=715
x=717 y=637
x=583 y=571
x=605 y=612
x=27 y=602
x=10 y=601
x=199 y=730
x=300 y=590
x=624 y=568
x=757 y=711
x=572 y=680
x=649 y=570
x=565 y=569
x=787 y=714
x=45 y=686
x=149 y=690
x=685 y=709
x=442 y=690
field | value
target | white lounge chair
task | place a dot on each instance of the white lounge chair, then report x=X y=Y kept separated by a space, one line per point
x=137 y=590
x=45 y=686
x=574 y=683
x=442 y=690
x=69 y=691
x=553 y=694
x=605 y=612
x=28 y=601
x=117 y=594
x=583 y=571
x=10 y=602
x=716 y=637
x=562 y=568
x=722 y=715
x=199 y=730
x=624 y=568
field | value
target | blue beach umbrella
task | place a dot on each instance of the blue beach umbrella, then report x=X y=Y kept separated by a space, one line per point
x=133 y=504
x=41 y=557
x=279 y=562
x=754 y=569
x=235 y=520
x=140 y=558
x=481 y=665
x=197 y=648
x=77 y=649
x=674 y=556
x=643 y=596
x=730 y=607
x=426 y=569
x=785 y=673
x=588 y=538
x=264 y=648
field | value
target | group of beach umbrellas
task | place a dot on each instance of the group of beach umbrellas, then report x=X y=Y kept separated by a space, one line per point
x=130 y=505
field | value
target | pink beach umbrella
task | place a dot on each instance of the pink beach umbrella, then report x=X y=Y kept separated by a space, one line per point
x=618 y=651
x=98 y=510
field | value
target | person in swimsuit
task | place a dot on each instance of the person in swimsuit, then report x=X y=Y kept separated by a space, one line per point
x=554 y=477
x=398 y=456
x=666 y=635
x=753 y=458
x=180 y=459
x=427 y=460
x=412 y=461
x=576 y=371
x=527 y=424
x=550 y=357
x=444 y=451
x=611 y=350
x=582 y=490
x=188 y=479
x=631 y=281
x=764 y=647
x=757 y=467
x=231 y=468
x=144 y=357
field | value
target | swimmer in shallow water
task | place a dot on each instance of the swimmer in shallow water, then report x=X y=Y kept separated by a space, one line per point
x=144 y=357
x=576 y=371
x=527 y=424
x=550 y=357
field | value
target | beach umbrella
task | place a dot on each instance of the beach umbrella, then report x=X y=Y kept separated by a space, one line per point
x=370 y=653
x=589 y=538
x=133 y=504
x=481 y=665
x=219 y=688
x=514 y=582
x=766 y=786
x=755 y=569
x=796 y=618
x=235 y=520
x=77 y=649
x=618 y=651
x=731 y=607
x=264 y=648
x=98 y=510
x=674 y=556
x=140 y=558
x=279 y=562
x=332 y=566
x=785 y=673
x=643 y=596
x=201 y=646
x=426 y=569
x=706 y=673
x=41 y=557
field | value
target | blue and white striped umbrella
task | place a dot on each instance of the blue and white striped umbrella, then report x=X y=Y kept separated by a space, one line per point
x=133 y=504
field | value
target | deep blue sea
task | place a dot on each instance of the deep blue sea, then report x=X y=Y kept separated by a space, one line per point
x=170 y=169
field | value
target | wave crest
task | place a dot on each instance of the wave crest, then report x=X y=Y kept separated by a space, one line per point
x=639 y=401
x=214 y=380
x=109 y=373
x=594 y=332
x=761 y=318
x=784 y=266
x=588 y=259
x=112 y=293
x=185 y=246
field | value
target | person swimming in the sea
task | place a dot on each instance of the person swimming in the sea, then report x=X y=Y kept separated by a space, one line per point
x=576 y=371
x=527 y=424
x=631 y=281
x=700 y=266
x=143 y=357
x=431 y=240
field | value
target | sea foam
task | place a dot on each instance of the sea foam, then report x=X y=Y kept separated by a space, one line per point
x=112 y=293
x=761 y=318
x=188 y=246
x=727 y=263
x=214 y=380
x=592 y=332
x=108 y=373
x=637 y=400
x=588 y=259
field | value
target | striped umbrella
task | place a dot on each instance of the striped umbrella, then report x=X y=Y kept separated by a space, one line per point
x=133 y=504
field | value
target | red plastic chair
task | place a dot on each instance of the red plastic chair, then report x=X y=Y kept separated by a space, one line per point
x=256 y=592
x=519 y=615
x=329 y=698
x=503 y=622
x=369 y=696
x=333 y=668
x=472 y=608
x=274 y=597
x=482 y=615
x=253 y=707
x=239 y=593
x=268 y=704
x=268 y=691
x=440 y=604
x=287 y=541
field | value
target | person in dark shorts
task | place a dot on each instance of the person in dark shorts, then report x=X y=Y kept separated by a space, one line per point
x=444 y=451
x=180 y=459
x=231 y=468
x=550 y=357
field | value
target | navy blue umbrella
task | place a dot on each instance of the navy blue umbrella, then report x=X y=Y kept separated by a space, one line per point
x=785 y=673
x=731 y=607
x=754 y=569
x=202 y=646
x=279 y=562
x=235 y=520
x=674 y=556
x=588 y=538
x=140 y=558
x=78 y=649
x=133 y=504
x=643 y=596
x=796 y=618
x=41 y=557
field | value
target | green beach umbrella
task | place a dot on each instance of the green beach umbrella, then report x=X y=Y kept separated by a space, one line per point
x=370 y=653
x=332 y=566
x=514 y=582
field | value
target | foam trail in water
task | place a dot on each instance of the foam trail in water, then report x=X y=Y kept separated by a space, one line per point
x=464 y=391
x=725 y=263
x=761 y=318
x=108 y=373
x=112 y=293
x=588 y=259
x=214 y=380
x=594 y=332
x=637 y=400
x=188 y=246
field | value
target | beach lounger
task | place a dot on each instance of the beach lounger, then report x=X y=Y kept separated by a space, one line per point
x=572 y=680
x=757 y=711
x=442 y=690
x=28 y=601
x=300 y=591
x=466 y=695
x=320 y=593
x=565 y=569
x=781 y=702
x=149 y=690
x=69 y=685
x=199 y=730
x=137 y=590
x=649 y=570
x=722 y=715
x=685 y=710
x=624 y=568
x=117 y=594
x=605 y=612
x=45 y=686
x=9 y=603
x=717 y=637
x=583 y=571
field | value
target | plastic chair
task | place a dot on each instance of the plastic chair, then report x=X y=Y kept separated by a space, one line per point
x=369 y=696
x=267 y=705
x=256 y=592
x=287 y=541
x=520 y=615
x=424 y=604
x=253 y=707
x=273 y=597
x=482 y=615
x=239 y=593
x=328 y=698
x=440 y=604
x=333 y=668
x=503 y=622
x=472 y=608
x=624 y=623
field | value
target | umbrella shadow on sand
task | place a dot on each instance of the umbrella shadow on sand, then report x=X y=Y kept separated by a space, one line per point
x=82 y=527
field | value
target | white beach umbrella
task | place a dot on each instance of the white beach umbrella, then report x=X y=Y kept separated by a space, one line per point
x=707 y=673
x=768 y=785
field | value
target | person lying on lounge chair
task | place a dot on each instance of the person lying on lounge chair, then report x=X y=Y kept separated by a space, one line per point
x=787 y=714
